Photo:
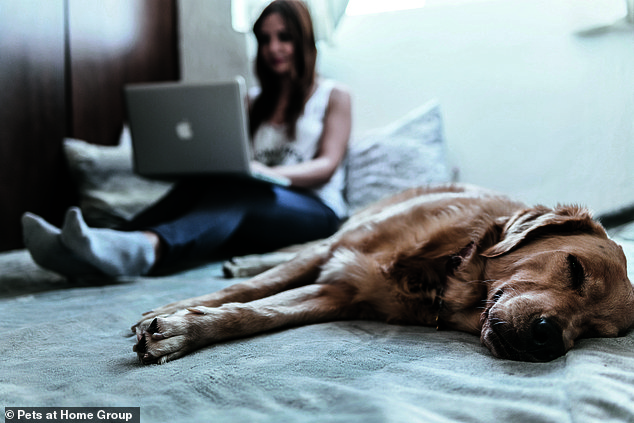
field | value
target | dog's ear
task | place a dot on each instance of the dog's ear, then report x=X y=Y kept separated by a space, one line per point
x=536 y=221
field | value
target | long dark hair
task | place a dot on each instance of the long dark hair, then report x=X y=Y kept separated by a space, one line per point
x=300 y=28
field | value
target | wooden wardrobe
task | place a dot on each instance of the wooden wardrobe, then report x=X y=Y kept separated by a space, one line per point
x=63 y=64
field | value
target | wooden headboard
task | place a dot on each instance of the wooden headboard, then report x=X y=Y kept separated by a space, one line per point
x=64 y=64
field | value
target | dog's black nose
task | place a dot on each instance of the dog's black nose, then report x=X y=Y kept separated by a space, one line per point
x=546 y=339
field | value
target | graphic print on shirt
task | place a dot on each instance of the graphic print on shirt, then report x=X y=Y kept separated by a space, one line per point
x=278 y=155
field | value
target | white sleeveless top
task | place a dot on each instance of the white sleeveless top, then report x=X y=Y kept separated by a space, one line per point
x=272 y=147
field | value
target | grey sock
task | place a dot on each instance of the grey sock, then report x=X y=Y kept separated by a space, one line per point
x=115 y=253
x=46 y=248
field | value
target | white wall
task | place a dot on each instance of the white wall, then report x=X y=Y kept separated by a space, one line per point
x=530 y=108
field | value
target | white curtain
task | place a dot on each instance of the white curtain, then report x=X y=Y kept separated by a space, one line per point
x=326 y=15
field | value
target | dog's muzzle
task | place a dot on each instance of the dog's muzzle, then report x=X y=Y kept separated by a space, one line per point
x=546 y=340
x=541 y=341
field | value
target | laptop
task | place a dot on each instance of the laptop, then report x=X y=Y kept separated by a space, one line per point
x=182 y=130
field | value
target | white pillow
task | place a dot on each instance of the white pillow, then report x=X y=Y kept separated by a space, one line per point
x=409 y=152
x=110 y=193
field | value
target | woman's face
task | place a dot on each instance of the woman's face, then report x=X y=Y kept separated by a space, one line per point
x=276 y=45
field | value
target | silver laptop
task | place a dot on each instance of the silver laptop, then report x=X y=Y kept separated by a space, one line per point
x=181 y=130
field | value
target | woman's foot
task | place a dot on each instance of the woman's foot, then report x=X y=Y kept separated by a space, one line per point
x=47 y=249
x=115 y=253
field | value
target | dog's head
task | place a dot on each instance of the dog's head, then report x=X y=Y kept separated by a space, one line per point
x=555 y=276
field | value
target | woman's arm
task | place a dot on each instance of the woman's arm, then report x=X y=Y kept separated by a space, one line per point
x=332 y=146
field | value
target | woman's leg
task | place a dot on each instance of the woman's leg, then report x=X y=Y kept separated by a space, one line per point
x=253 y=219
x=209 y=221
x=74 y=252
x=286 y=218
x=133 y=250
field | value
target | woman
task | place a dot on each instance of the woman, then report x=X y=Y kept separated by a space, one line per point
x=300 y=127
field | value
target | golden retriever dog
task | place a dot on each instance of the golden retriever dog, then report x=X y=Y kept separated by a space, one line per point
x=528 y=280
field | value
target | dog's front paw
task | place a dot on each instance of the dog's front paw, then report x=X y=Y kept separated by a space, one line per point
x=166 y=338
x=163 y=311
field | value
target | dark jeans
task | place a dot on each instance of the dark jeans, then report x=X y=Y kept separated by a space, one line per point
x=214 y=218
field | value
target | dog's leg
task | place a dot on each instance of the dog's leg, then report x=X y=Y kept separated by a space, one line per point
x=173 y=336
x=252 y=265
x=302 y=270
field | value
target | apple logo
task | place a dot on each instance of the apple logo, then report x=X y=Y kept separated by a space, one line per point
x=184 y=130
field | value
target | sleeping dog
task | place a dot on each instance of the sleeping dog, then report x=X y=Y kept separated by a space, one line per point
x=528 y=280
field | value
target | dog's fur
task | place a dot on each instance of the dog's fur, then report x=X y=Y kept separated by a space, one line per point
x=529 y=281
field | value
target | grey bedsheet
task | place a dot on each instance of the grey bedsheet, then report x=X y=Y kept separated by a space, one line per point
x=66 y=345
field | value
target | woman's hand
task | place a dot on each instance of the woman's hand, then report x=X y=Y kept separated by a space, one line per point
x=262 y=169
x=258 y=167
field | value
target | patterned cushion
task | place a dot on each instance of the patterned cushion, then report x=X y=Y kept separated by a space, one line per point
x=406 y=153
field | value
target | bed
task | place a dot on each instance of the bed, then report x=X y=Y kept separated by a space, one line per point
x=67 y=343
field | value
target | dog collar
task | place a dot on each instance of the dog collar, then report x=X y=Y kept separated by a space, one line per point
x=453 y=262
x=439 y=302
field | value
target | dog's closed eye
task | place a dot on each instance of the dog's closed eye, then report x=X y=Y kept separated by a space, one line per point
x=577 y=274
